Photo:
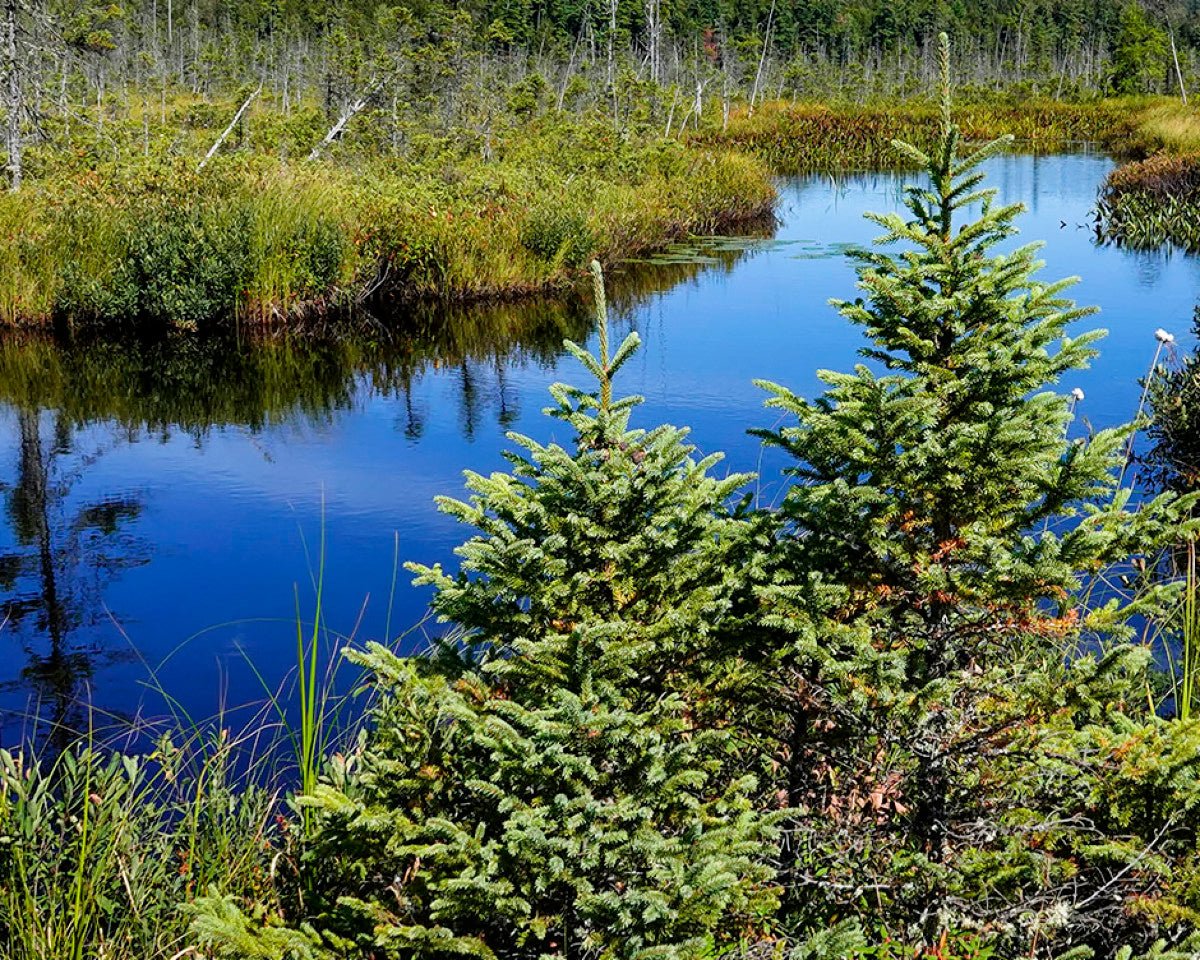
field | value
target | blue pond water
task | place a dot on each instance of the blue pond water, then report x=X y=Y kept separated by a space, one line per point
x=165 y=503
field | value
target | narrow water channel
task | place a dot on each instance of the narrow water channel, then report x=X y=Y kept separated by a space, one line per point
x=164 y=504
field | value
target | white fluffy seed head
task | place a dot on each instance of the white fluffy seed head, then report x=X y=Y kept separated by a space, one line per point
x=1162 y=336
x=1076 y=394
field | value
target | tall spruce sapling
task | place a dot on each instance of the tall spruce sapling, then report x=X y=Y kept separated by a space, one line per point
x=619 y=531
x=538 y=787
x=929 y=571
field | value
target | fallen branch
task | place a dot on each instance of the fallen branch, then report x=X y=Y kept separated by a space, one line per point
x=229 y=129
x=349 y=114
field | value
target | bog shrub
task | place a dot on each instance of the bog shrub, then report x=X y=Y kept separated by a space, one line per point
x=558 y=234
x=187 y=261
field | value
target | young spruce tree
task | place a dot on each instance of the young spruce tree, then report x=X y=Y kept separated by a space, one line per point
x=932 y=582
x=539 y=787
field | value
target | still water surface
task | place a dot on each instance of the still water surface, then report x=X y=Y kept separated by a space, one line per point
x=164 y=503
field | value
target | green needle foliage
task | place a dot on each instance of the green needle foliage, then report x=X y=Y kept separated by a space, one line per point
x=622 y=532
x=941 y=559
x=543 y=788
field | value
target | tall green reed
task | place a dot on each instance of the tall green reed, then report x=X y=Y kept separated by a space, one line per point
x=99 y=849
x=1185 y=697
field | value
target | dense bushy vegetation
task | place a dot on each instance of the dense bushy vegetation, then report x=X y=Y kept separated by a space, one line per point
x=158 y=241
x=909 y=713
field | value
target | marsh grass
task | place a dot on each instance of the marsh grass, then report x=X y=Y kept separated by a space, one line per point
x=106 y=838
x=152 y=242
x=1189 y=666
x=1170 y=126
x=838 y=138
x=1153 y=202
x=300 y=250
x=98 y=849
x=26 y=259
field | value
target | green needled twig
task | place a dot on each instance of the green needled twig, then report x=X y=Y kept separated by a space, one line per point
x=602 y=323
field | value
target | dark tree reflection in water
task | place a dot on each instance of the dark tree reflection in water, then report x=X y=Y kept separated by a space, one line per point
x=63 y=552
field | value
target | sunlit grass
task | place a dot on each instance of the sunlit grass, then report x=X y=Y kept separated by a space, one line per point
x=97 y=850
x=153 y=240
x=1171 y=126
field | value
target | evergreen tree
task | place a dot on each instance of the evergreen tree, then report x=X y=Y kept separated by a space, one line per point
x=1139 y=58
x=623 y=533
x=542 y=788
x=939 y=566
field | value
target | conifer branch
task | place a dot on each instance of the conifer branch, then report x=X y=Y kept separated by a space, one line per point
x=602 y=325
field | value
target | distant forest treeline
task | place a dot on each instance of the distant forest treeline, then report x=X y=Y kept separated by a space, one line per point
x=87 y=79
x=781 y=47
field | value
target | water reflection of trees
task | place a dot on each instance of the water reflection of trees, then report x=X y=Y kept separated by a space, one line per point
x=70 y=399
x=62 y=553
x=194 y=383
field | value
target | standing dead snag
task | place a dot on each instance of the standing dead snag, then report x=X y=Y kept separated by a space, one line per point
x=347 y=115
x=11 y=90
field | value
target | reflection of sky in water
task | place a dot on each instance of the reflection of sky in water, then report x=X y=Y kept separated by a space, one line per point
x=224 y=520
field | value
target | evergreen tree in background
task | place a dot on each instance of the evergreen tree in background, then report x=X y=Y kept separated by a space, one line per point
x=1139 y=58
x=958 y=763
x=541 y=788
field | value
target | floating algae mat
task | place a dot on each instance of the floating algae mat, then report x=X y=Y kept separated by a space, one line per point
x=813 y=250
x=710 y=250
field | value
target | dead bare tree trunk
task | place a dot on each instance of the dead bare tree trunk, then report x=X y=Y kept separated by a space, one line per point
x=1178 y=71
x=653 y=28
x=612 y=59
x=612 y=40
x=671 y=112
x=347 y=115
x=763 y=58
x=13 y=95
x=229 y=129
x=570 y=71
